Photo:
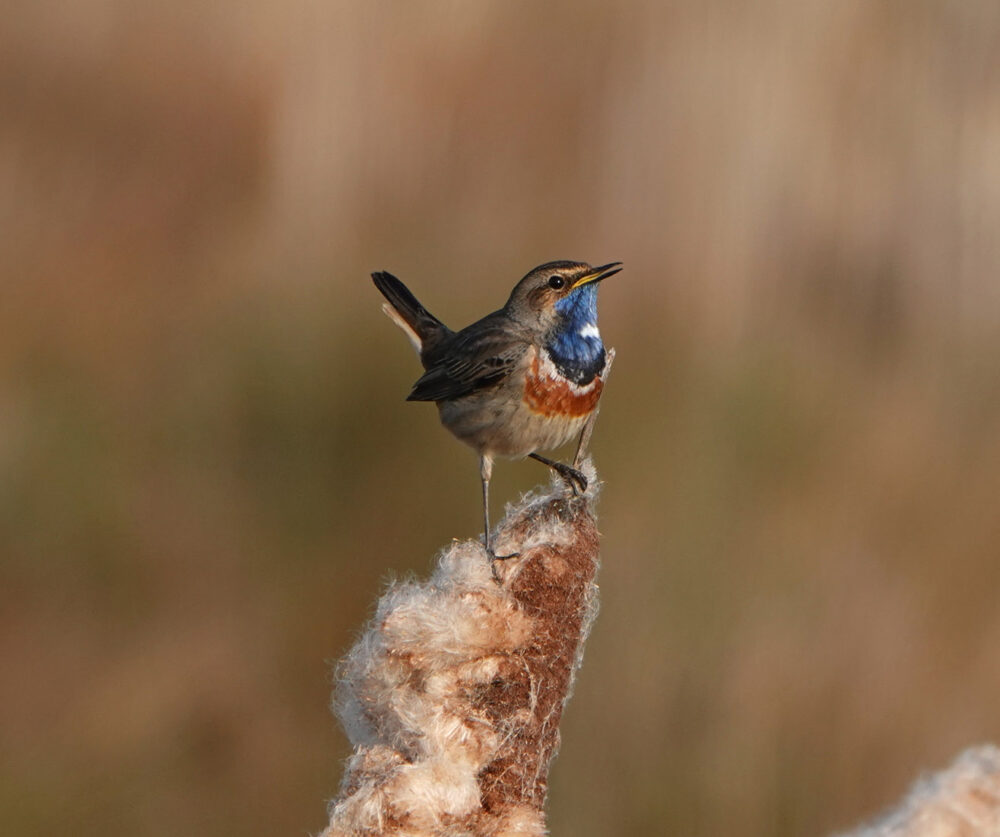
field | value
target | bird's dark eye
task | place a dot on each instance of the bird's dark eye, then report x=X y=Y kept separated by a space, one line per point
x=556 y=282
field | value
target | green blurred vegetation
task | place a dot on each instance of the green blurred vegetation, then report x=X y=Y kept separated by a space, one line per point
x=208 y=470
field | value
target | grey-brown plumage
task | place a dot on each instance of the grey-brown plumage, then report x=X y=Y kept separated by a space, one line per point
x=525 y=378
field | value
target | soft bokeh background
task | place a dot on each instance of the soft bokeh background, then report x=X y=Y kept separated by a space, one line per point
x=207 y=470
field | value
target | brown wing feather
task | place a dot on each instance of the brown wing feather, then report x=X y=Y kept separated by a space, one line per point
x=476 y=358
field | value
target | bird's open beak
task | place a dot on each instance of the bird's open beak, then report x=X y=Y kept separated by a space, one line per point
x=597 y=274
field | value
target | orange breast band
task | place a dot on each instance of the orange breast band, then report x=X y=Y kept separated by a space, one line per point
x=551 y=397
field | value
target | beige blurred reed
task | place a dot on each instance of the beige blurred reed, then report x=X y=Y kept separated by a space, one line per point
x=206 y=459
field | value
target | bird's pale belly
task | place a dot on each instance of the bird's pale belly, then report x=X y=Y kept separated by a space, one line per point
x=537 y=409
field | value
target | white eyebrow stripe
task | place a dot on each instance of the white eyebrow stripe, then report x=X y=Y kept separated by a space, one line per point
x=589 y=330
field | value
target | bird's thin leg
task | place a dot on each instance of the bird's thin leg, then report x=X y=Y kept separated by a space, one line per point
x=485 y=472
x=575 y=480
x=585 y=434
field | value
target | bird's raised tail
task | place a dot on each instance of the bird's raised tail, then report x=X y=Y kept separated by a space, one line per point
x=404 y=309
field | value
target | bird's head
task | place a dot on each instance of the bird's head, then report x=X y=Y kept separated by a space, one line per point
x=559 y=295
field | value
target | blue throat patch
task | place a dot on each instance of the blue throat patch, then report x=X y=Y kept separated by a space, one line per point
x=575 y=347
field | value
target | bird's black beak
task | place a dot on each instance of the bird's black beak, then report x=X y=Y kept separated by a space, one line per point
x=597 y=274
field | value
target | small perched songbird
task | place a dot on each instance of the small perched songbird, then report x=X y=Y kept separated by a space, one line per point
x=522 y=379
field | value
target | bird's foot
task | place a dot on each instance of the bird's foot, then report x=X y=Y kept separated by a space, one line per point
x=573 y=478
x=493 y=558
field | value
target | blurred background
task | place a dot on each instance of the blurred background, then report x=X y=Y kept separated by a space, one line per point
x=208 y=471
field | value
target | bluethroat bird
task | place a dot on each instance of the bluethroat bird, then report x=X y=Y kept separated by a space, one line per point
x=522 y=379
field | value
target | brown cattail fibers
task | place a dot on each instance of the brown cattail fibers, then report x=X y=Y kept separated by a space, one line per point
x=452 y=697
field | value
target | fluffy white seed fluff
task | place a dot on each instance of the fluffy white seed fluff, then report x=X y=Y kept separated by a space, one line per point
x=453 y=694
x=960 y=801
